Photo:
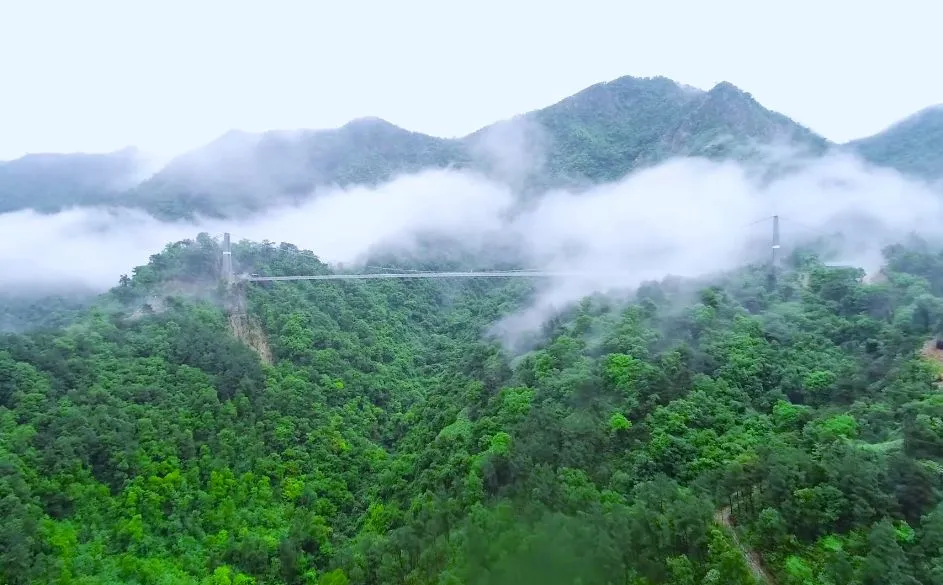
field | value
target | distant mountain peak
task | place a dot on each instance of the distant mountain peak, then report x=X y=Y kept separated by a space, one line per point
x=233 y=135
x=51 y=181
x=372 y=126
x=726 y=86
x=913 y=145
x=727 y=122
x=728 y=91
x=369 y=121
x=929 y=114
x=598 y=134
x=43 y=157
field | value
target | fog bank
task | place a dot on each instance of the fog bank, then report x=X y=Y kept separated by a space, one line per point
x=685 y=217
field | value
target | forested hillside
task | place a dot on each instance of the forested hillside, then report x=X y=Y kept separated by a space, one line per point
x=51 y=182
x=599 y=134
x=913 y=145
x=27 y=310
x=371 y=432
x=242 y=173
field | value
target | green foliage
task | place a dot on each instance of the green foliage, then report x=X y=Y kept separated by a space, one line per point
x=24 y=311
x=618 y=422
x=728 y=435
x=911 y=146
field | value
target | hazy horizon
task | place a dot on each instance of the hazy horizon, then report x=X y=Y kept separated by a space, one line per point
x=159 y=159
x=123 y=83
x=684 y=217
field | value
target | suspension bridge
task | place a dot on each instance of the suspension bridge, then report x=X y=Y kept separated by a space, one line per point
x=232 y=278
x=387 y=275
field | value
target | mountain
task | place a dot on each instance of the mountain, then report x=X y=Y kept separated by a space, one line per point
x=241 y=173
x=334 y=433
x=913 y=145
x=604 y=131
x=598 y=134
x=737 y=428
x=611 y=129
x=727 y=122
x=51 y=182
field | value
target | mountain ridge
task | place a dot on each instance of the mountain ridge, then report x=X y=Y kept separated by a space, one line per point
x=49 y=182
x=373 y=433
x=911 y=145
x=598 y=134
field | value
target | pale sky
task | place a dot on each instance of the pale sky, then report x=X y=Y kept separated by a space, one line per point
x=169 y=75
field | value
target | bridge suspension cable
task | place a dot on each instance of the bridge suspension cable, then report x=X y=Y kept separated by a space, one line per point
x=412 y=274
x=396 y=275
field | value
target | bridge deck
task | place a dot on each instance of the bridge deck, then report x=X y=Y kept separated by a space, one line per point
x=392 y=275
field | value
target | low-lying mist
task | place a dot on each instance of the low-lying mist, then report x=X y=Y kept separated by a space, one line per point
x=686 y=217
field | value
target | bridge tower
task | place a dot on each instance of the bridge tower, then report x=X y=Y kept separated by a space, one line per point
x=774 y=253
x=228 y=275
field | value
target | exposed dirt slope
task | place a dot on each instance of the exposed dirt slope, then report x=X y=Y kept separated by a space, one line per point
x=248 y=330
x=752 y=557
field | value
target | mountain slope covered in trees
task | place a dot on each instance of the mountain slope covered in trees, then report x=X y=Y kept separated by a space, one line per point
x=913 y=145
x=384 y=438
x=241 y=173
x=598 y=134
x=51 y=182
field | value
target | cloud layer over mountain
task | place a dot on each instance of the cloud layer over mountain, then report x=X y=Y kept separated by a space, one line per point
x=684 y=217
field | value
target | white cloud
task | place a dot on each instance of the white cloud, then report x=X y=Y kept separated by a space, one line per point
x=685 y=217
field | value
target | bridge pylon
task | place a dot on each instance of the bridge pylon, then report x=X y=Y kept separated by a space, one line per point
x=228 y=277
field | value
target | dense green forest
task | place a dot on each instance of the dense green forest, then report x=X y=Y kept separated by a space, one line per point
x=737 y=430
x=22 y=310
